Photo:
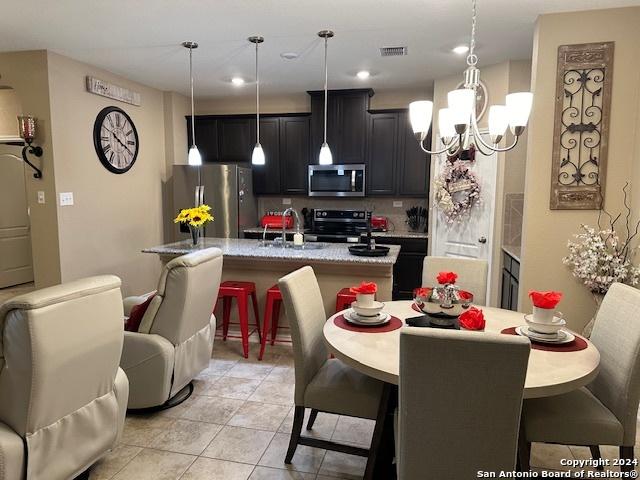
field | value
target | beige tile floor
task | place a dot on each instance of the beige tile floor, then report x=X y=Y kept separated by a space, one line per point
x=236 y=427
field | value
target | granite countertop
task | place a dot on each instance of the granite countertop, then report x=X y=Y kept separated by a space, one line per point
x=393 y=234
x=244 y=248
x=513 y=250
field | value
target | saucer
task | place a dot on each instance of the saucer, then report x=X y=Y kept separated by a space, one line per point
x=545 y=328
x=379 y=319
x=560 y=338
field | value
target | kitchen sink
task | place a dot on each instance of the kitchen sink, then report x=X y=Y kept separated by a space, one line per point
x=306 y=246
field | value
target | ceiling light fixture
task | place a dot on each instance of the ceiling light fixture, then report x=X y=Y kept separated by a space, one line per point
x=289 y=55
x=237 y=81
x=460 y=49
x=363 y=74
x=194 y=154
x=459 y=124
x=257 y=157
x=325 y=157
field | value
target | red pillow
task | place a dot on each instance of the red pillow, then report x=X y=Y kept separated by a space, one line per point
x=135 y=316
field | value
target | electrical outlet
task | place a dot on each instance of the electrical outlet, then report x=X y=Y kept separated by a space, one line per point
x=66 y=199
x=286 y=201
x=41 y=197
x=397 y=204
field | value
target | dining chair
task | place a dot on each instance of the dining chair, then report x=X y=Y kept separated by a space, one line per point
x=63 y=398
x=174 y=340
x=322 y=384
x=605 y=411
x=472 y=274
x=460 y=402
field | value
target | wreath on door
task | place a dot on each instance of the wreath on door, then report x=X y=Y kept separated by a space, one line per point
x=457 y=191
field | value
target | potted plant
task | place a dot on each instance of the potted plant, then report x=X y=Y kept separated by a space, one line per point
x=195 y=218
x=602 y=256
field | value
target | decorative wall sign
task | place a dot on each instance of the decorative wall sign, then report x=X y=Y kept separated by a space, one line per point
x=581 y=131
x=109 y=90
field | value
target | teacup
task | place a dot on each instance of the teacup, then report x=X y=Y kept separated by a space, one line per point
x=545 y=315
x=365 y=300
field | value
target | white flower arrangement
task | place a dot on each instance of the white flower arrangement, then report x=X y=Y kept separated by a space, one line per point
x=599 y=257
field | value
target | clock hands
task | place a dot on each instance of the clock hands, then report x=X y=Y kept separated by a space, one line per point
x=117 y=139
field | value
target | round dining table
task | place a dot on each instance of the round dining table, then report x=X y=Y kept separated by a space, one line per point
x=377 y=354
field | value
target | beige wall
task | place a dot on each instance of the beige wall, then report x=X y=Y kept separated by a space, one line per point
x=114 y=216
x=546 y=232
x=10 y=108
x=27 y=73
x=301 y=103
x=500 y=80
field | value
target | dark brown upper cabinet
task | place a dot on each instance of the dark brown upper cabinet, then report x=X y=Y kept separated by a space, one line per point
x=294 y=154
x=266 y=178
x=236 y=139
x=382 y=154
x=346 y=124
x=206 y=137
x=414 y=164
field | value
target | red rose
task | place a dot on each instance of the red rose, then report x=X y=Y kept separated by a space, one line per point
x=422 y=292
x=472 y=319
x=365 y=288
x=444 y=278
x=464 y=295
x=545 y=299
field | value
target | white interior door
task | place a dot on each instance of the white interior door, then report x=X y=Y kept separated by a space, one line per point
x=15 y=241
x=473 y=236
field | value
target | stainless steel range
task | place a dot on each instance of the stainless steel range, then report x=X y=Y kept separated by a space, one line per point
x=337 y=226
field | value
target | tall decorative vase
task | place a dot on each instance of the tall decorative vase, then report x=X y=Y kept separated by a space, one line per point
x=195 y=235
x=586 y=332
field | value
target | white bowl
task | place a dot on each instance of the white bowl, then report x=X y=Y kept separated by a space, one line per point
x=546 y=328
x=369 y=311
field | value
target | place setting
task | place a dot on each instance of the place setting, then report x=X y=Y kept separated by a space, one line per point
x=366 y=313
x=546 y=326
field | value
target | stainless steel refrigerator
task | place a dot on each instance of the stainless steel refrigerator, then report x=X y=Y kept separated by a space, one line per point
x=228 y=190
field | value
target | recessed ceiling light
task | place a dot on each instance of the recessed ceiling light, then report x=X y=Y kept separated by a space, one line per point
x=363 y=74
x=289 y=55
x=237 y=81
x=461 y=49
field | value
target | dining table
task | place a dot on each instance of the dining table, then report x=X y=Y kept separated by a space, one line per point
x=375 y=351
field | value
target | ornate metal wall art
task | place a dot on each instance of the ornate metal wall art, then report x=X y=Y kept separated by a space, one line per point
x=581 y=131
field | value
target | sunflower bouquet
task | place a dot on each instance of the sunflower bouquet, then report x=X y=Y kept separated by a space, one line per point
x=195 y=218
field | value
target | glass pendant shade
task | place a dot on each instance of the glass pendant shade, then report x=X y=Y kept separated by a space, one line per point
x=519 y=108
x=420 y=113
x=498 y=120
x=257 y=158
x=445 y=123
x=325 y=157
x=461 y=105
x=194 y=156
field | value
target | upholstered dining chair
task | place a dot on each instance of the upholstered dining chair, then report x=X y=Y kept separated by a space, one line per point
x=63 y=398
x=175 y=337
x=459 y=402
x=472 y=274
x=605 y=411
x=321 y=384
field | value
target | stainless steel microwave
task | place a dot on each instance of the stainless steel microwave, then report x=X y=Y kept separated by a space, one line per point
x=337 y=180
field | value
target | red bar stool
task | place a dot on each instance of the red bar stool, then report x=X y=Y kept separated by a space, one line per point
x=344 y=299
x=271 y=317
x=241 y=292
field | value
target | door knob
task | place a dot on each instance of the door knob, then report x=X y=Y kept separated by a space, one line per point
x=482 y=240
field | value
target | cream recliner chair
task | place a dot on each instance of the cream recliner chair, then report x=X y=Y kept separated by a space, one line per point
x=62 y=396
x=175 y=338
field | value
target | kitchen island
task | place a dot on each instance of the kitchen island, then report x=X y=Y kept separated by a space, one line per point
x=334 y=266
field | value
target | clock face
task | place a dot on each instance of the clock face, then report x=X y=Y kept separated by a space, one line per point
x=115 y=139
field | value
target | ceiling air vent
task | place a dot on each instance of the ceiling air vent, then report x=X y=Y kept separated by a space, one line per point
x=393 y=51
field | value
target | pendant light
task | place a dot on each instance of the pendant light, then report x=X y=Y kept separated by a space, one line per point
x=257 y=158
x=325 y=152
x=194 y=154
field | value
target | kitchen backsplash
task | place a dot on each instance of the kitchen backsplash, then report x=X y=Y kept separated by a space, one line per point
x=513 y=208
x=379 y=205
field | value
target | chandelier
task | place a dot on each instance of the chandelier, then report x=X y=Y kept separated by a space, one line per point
x=458 y=124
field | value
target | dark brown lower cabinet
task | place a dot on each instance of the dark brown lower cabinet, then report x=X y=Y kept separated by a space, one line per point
x=510 y=282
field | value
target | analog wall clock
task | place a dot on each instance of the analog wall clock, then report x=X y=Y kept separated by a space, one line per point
x=115 y=139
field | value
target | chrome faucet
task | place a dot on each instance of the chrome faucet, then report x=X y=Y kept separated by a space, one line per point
x=284 y=224
x=264 y=235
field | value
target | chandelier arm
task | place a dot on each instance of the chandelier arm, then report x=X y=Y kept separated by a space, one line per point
x=438 y=152
x=493 y=148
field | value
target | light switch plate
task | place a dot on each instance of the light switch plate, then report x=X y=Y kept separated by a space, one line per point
x=41 y=197
x=397 y=204
x=66 y=198
x=286 y=201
